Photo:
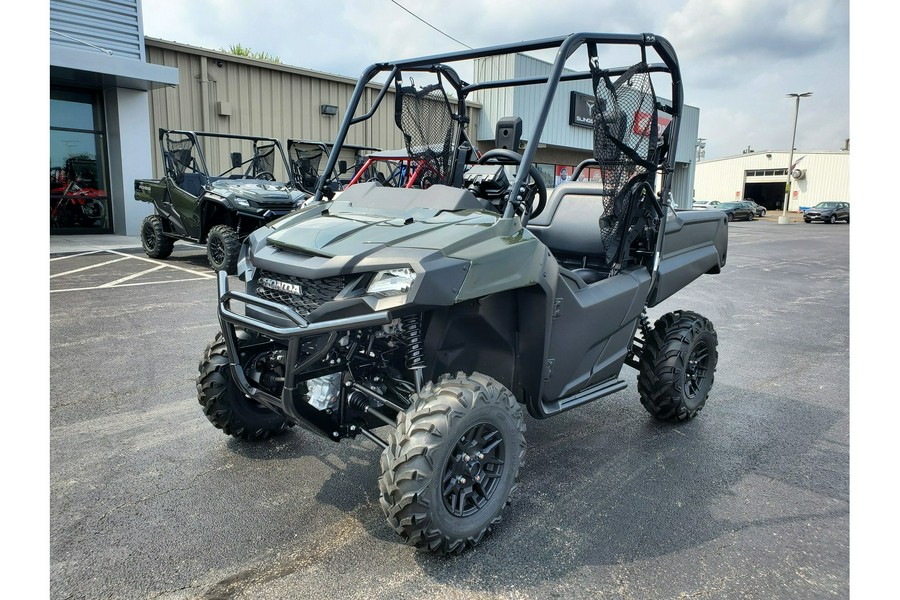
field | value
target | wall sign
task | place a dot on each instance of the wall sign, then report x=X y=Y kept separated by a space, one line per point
x=580 y=109
x=580 y=106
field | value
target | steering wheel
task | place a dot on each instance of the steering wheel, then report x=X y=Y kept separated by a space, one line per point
x=265 y=175
x=537 y=187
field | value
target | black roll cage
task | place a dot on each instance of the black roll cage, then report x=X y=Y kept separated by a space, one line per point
x=195 y=135
x=566 y=45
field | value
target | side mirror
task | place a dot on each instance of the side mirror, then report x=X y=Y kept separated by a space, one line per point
x=236 y=160
x=342 y=166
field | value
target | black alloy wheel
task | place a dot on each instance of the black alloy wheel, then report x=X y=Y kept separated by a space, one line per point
x=452 y=464
x=153 y=238
x=473 y=470
x=696 y=371
x=223 y=246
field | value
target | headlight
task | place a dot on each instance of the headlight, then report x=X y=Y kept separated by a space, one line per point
x=394 y=282
x=242 y=202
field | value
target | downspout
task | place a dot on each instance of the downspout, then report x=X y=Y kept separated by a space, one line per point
x=204 y=93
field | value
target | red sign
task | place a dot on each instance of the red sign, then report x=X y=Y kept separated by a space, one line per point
x=642 y=124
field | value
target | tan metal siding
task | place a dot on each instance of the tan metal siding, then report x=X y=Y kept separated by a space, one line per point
x=265 y=100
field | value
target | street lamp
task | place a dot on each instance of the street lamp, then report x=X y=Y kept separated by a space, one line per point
x=783 y=219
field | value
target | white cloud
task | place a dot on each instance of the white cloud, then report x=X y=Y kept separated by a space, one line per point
x=738 y=57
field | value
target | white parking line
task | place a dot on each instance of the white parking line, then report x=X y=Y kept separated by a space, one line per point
x=124 y=279
x=97 y=287
x=121 y=282
x=171 y=266
x=87 y=268
x=75 y=255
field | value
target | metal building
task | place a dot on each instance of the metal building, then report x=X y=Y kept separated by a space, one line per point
x=762 y=176
x=567 y=137
x=99 y=114
x=112 y=89
x=225 y=93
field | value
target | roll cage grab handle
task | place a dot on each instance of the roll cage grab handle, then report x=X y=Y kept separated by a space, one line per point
x=567 y=45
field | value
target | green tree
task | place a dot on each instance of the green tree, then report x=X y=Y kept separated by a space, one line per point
x=239 y=50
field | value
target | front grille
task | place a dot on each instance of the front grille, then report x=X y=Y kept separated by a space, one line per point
x=313 y=292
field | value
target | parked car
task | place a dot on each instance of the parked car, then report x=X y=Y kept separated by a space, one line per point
x=736 y=210
x=828 y=212
x=704 y=204
x=758 y=209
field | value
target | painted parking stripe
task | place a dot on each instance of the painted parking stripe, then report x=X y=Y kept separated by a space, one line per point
x=127 y=280
x=164 y=264
x=75 y=255
x=98 y=287
x=89 y=267
x=132 y=276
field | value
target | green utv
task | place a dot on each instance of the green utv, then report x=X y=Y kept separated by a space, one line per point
x=206 y=203
x=429 y=320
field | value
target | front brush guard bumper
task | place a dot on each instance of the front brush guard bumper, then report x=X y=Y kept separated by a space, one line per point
x=293 y=335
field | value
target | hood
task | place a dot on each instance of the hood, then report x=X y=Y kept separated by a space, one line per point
x=256 y=190
x=366 y=219
x=323 y=233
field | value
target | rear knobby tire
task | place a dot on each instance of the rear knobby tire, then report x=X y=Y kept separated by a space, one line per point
x=222 y=247
x=153 y=238
x=677 y=366
x=431 y=495
x=225 y=405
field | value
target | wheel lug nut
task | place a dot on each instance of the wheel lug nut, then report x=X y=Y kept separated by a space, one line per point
x=462 y=480
x=480 y=456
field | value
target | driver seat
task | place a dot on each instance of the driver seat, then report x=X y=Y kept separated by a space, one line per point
x=568 y=227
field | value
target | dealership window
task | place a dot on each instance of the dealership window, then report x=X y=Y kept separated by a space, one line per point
x=78 y=176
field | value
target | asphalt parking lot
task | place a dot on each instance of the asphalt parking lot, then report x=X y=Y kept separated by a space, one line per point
x=749 y=500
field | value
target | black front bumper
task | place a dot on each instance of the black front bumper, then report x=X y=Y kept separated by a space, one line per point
x=299 y=330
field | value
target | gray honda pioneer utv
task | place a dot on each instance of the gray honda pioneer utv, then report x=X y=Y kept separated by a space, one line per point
x=443 y=314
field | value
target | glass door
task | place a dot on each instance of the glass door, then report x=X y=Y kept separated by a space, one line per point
x=79 y=201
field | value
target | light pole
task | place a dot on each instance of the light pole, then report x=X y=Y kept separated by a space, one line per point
x=783 y=219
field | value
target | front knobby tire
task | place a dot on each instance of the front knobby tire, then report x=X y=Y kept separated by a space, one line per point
x=153 y=238
x=225 y=405
x=677 y=367
x=452 y=463
x=223 y=245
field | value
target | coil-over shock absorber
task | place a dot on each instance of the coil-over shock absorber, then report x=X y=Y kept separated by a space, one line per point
x=636 y=349
x=411 y=329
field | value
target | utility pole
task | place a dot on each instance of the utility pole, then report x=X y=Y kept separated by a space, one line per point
x=783 y=219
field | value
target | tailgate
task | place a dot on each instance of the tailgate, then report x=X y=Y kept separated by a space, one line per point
x=696 y=242
x=149 y=190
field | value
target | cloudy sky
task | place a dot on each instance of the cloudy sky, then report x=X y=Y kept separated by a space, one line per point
x=738 y=57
